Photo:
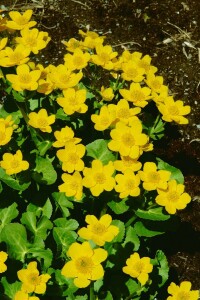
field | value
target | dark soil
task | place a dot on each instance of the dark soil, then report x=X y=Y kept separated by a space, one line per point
x=169 y=31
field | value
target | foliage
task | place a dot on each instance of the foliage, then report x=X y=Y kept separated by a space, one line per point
x=82 y=193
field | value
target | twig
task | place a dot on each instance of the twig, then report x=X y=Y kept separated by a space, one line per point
x=83 y=4
x=126 y=44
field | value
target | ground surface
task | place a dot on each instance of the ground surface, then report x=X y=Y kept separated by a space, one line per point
x=169 y=31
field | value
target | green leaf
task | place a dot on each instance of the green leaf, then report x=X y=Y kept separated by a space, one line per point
x=11 y=182
x=132 y=286
x=18 y=96
x=99 y=150
x=39 y=228
x=131 y=237
x=44 y=171
x=7 y=215
x=119 y=238
x=63 y=203
x=10 y=289
x=67 y=224
x=60 y=114
x=141 y=230
x=46 y=210
x=163 y=269
x=44 y=146
x=45 y=254
x=97 y=285
x=175 y=173
x=154 y=214
x=14 y=235
x=118 y=207
x=63 y=239
x=109 y=296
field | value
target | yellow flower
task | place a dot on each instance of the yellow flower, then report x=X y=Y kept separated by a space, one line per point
x=91 y=39
x=127 y=162
x=72 y=186
x=64 y=136
x=107 y=94
x=128 y=140
x=5 y=133
x=8 y=122
x=3 y=43
x=3 y=258
x=85 y=265
x=13 y=163
x=41 y=120
x=99 y=178
x=127 y=184
x=161 y=96
x=76 y=61
x=138 y=267
x=13 y=57
x=71 y=157
x=33 y=39
x=131 y=72
x=154 y=82
x=104 y=119
x=20 y=21
x=136 y=94
x=3 y=22
x=21 y=295
x=174 y=110
x=182 y=292
x=153 y=179
x=99 y=231
x=63 y=78
x=31 y=280
x=104 y=57
x=123 y=112
x=25 y=79
x=72 y=44
x=73 y=101
x=173 y=197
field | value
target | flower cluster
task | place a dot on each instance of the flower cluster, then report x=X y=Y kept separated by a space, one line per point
x=88 y=153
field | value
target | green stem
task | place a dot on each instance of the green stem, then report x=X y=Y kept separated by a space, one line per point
x=135 y=294
x=92 y=295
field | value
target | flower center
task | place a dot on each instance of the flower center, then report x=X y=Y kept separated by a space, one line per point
x=130 y=184
x=153 y=177
x=73 y=101
x=84 y=264
x=100 y=178
x=155 y=84
x=99 y=229
x=173 y=110
x=128 y=140
x=21 y=20
x=123 y=113
x=31 y=41
x=16 y=57
x=25 y=78
x=139 y=266
x=105 y=121
x=78 y=61
x=42 y=122
x=33 y=279
x=137 y=96
x=104 y=57
x=74 y=185
x=183 y=295
x=14 y=164
x=132 y=73
x=73 y=158
x=172 y=196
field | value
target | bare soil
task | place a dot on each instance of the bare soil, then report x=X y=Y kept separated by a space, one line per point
x=169 y=31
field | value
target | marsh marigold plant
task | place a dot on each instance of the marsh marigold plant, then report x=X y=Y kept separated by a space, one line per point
x=82 y=193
